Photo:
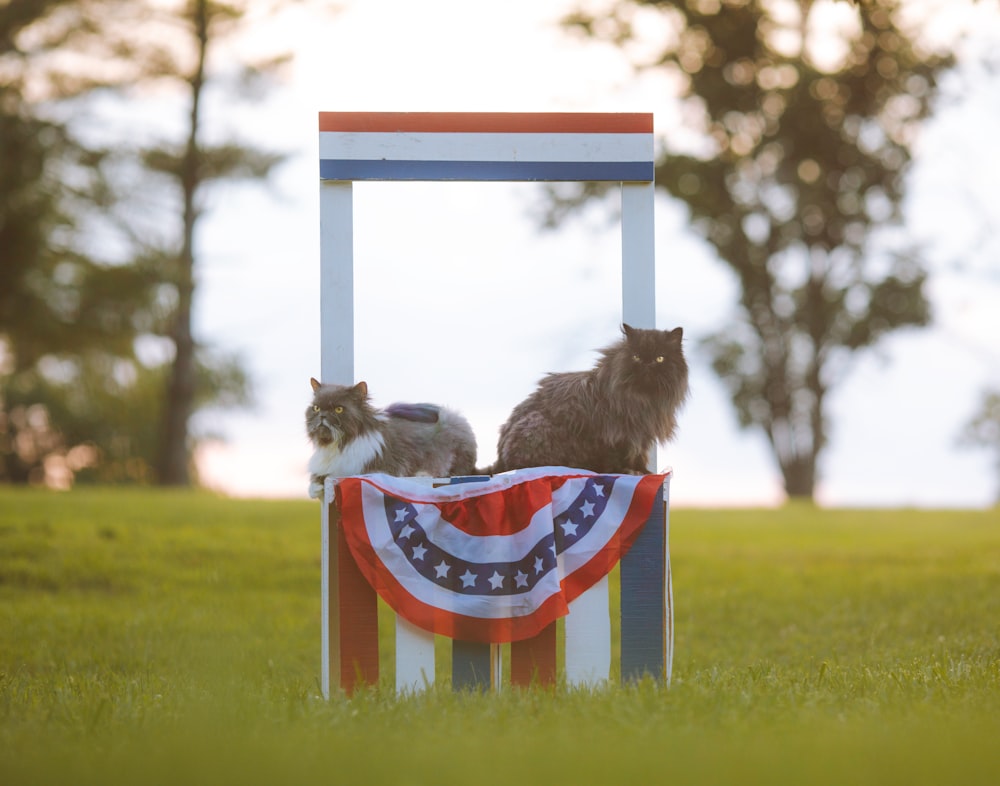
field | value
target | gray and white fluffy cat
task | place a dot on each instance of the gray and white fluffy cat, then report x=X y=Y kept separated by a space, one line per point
x=351 y=437
x=606 y=419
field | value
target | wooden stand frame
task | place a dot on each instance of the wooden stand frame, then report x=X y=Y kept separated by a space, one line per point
x=460 y=146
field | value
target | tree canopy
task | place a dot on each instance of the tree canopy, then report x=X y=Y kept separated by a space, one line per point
x=84 y=287
x=804 y=114
x=983 y=430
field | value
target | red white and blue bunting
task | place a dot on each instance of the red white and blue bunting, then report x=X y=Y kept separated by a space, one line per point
x=496 y=560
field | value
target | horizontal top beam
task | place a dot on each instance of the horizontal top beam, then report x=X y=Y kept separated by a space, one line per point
x=475 y=146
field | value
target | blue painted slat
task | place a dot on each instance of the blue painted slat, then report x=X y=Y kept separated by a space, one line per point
x=343 y=169
x=470 y=665
x=643 y=625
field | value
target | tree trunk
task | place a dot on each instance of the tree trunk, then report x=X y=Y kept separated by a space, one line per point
x=800 y=477
x=174 y=460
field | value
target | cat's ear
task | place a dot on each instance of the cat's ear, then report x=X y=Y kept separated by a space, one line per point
x=314 y=383
x=627 y=330
x=677 y=334
x=361 y=389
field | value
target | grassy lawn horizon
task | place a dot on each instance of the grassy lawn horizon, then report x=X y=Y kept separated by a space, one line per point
x=173 y=636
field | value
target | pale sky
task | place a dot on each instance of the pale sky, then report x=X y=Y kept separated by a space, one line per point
x=462 y=300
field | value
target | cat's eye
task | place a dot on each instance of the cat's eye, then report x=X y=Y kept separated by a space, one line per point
x=315 y=407
x=338 y=410
x=659 y=358
x=637 y=359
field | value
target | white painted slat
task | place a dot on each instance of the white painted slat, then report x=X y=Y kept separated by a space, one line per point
x=414 y=657
x=639 y=263
x=485 y=147
x=336 y=282
x=638 y=255
x=588 y=637
x=325 y=584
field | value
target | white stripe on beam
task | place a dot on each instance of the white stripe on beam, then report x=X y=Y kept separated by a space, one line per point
x=485 y=147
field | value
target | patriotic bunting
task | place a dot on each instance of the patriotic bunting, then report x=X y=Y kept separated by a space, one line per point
x=491 y=561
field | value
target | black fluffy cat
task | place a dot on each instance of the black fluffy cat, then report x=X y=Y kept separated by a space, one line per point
x=607 y=419
x=351 y=437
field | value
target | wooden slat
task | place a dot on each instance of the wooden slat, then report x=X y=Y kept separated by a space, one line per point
x=330 y=655
x=588 y=636
x=471 y=665
x=414 y=657
x=358 y=626
x=534 y=660
x=668 y=598
x=336 y=282
x=495 y=122
x=486 y=147
x=643 y=574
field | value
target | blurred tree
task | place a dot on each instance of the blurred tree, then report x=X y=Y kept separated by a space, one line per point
x=983 y=430
x=804 y=112
x=82 y=287
x=62 y=308
x=192 y=167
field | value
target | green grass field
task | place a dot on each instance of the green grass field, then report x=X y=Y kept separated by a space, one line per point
x=173 y=638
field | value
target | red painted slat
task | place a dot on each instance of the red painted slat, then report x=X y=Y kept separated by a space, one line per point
x=534 y=658
x=489 y=122
x=358 y=622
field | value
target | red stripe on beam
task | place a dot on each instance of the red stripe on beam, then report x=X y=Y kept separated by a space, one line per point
x=489 y=122
x=534 y=659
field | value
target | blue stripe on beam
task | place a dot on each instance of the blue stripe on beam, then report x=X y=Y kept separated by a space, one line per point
x=346 y=169
x=643 y=576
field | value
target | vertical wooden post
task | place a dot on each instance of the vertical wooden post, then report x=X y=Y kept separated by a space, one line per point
x=358 y=622
x=330 y=663
x=644 y=602
x=639 y=262
x=336 y=285
x=588 y=636
x=350 y=612
x=414 y=657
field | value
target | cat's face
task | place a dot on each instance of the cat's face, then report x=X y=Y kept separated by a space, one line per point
x=337 y=412
x=653 y=359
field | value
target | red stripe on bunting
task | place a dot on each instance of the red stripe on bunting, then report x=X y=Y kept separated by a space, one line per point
x=450 y=624
x=499 y=512
x=583 y=578
x=489 y=122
